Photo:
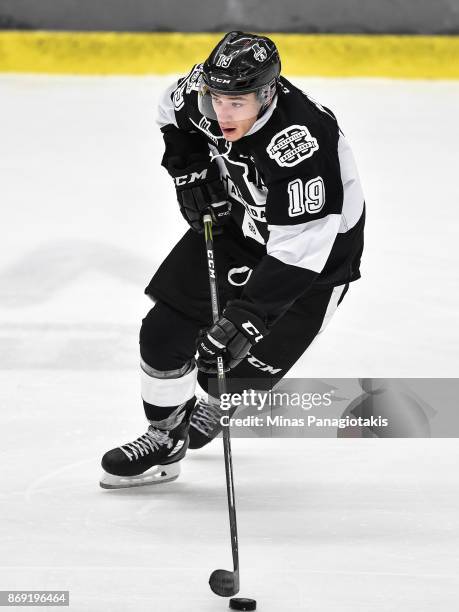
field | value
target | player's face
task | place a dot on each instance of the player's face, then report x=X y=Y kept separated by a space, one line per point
x=235 y=114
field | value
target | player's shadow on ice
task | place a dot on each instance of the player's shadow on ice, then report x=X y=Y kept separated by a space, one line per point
x=47 y=269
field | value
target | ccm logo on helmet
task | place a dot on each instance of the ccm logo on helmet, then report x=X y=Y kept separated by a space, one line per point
x=218 y=80
x=191 y=178
x=252 y=330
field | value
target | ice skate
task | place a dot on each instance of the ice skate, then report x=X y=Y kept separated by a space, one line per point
x=205 y=421
x=152 y=458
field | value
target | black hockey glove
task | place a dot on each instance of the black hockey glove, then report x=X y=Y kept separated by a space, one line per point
x=232 y=337
x=197 y=179
x=200 y=190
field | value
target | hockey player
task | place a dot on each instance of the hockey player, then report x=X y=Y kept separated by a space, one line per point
x=278 y=177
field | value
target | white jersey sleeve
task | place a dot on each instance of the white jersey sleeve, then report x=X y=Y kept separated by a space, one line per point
x=166 y=111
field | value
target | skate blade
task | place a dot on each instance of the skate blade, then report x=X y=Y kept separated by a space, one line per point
x=158 y=474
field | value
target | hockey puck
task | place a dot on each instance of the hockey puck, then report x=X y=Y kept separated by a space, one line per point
x=242 y=603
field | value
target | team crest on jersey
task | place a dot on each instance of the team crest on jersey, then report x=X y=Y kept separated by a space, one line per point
x=259 y=53
x=289 y=147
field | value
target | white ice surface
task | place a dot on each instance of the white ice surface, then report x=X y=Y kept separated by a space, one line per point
x=325 y=525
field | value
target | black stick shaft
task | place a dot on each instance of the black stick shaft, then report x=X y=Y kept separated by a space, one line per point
x=221 y=380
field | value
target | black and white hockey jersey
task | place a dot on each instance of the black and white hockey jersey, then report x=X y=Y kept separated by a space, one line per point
x=294 y=188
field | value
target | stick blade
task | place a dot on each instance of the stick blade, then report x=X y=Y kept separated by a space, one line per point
x=224 y=583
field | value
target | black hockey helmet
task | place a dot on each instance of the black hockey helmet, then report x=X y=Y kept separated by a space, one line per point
x=241 y=63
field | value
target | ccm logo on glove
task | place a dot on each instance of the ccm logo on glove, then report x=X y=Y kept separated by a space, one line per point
x=190 y=178
x=230 y=338
x=252 y=330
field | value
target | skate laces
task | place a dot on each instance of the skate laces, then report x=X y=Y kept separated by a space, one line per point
x=206 y=416
x=149 y=442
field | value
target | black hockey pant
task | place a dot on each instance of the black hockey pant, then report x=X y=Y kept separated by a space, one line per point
x=168 y=345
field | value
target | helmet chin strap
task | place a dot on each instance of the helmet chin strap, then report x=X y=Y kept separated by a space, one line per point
x=263 y=109
x=267 y=103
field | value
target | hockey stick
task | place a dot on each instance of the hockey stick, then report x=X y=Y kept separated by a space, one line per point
x=222 y=582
